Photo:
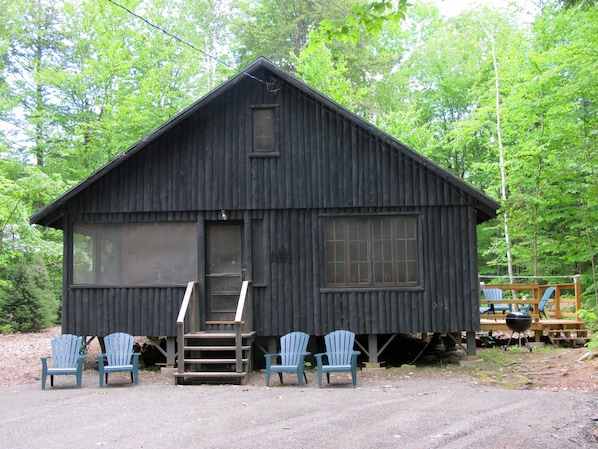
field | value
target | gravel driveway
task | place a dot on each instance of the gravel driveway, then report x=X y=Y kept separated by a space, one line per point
x=402 y=413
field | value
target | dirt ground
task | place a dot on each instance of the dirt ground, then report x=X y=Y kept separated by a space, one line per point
x=561 y=383
x=514 y=368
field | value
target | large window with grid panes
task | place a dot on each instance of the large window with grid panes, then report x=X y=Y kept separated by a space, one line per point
x=371 y=251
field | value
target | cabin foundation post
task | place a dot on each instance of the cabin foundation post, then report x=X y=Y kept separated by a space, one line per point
x=272 y=345
x=170 y=351
x=373 y=348
x=372 y=352
x=471 y=348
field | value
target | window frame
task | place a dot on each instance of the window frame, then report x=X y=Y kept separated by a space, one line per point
x=395 y=261
x=275 y=151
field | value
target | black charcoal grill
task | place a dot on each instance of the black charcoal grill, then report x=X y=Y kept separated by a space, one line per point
x=519 y=322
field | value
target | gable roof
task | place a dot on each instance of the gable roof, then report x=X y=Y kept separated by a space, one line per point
x=51 y=215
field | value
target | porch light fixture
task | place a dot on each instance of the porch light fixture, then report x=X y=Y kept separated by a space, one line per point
x=223 y=215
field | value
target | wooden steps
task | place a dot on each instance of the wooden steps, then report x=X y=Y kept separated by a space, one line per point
x=572 y=335
x=568 y=331
x=214 y=356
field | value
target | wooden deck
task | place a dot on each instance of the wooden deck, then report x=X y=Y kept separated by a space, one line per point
x=572 y=331
x=561 y=325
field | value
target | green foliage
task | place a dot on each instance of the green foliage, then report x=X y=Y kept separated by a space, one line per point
x=321 y=71
x=28 y=302
x=279 y=28
x=23 y=189
x=369 y=18
x=590 y=318
x=75 y=91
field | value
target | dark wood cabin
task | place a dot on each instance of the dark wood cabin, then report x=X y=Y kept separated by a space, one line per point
x=332 y=223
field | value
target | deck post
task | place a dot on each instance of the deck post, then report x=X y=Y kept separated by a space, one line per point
x=576 y=281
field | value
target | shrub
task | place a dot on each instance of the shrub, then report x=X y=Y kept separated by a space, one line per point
x=589 y=317
x=28 y=303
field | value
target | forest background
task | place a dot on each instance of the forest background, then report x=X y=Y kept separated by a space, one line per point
x=506 y=99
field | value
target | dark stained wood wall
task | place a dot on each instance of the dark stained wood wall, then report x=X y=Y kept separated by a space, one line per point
x=325 y=162
x=296 y=300
x=139 y=311
x=327 y=165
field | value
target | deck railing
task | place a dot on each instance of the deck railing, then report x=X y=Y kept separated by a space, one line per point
x=565 y=306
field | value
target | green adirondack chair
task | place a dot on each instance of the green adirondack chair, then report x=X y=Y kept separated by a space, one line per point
x=66 y=357
x=494 y=294
x=119 y=357
x=340 y=356
x=293 y=349
x=543 y=301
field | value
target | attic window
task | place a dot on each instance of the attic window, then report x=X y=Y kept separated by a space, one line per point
x=371 y=251
x=264 y=121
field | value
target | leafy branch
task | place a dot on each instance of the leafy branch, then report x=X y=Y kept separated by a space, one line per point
x=370 y=17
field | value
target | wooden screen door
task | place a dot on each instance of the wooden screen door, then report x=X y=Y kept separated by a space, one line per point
x=224 y=270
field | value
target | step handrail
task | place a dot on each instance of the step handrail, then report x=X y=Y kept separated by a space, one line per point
x=242 y=318
x=188 y=300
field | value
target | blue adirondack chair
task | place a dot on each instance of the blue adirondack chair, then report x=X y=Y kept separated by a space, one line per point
x=543 y=301
x=293 y=349
x=494 y=294
x=66 y=359
x=340 y=356
x=119 y=357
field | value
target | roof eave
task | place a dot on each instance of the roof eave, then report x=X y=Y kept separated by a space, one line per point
x=51 y=215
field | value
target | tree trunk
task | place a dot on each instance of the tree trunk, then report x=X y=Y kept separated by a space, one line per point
x=503 y=171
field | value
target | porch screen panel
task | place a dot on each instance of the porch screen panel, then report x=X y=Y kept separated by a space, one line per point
x=135 y=253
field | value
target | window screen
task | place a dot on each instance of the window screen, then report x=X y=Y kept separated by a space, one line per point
x=264 y=129
x=135 y=253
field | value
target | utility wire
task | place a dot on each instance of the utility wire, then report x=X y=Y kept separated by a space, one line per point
x=175 y=37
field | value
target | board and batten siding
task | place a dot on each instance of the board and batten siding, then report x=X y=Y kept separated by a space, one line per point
x=294 y=295
x=139 y=311
x=325 y=161
x=297 y=299
x=327 y=164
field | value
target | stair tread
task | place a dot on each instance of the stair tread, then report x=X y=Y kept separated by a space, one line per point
x=219 y=322
x=569 y=338
x=210 y=374
x=569 y=331
x=213 y=360
x=214 y=348
x=219 y=335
